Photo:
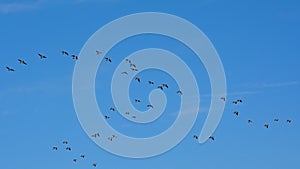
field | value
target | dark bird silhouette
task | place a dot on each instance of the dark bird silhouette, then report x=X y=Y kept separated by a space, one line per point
x=150 y=105
x=65 y=142
x=160 y=87
x=112 y=109
x=10 y=69
x=289 y=121
x=236 y=113
x=55 y=148
x=106 y=117
x=179 y=92
x=134 y=117
x=127 y=113
x=138 y=79
x=212 y=138
x=137 y=100
x=266 y=126
x=82 y=156
x=128 y=60
x=96 y=135
x=132 y=65
x=42 y=56
x=276 y=120
x=64 y=52
x=134 y=69
x=112 y=137
x=223 y=98
x=75 y=57
x=124 y=73
x=107 y=59
x=68 y=148
x=150 y=82
x=74 y=160
x=94 y=165
x=237 y=101
x=165 y=85
x=98 y=52
x=195 y=137
x=250 y=121
x=22 y=62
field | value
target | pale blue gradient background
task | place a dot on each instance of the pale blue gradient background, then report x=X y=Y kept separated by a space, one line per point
x=258 y=42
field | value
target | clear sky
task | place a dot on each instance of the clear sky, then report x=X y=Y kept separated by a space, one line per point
x=257 y=41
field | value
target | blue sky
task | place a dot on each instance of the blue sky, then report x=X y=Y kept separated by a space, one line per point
x=257 y=41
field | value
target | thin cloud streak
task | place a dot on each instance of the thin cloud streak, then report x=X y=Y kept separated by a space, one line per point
x=242 y=93
x=18 y=6
x=281 y=84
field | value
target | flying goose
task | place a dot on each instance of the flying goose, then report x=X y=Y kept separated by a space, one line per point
x=138 y=79
x=212 y=138
x=179 y=92
x=128 y=60
x=64 y=53
x=10 y=69
x=165 y=85
x=42 y=56
x=96 y=135
x=134 y=69
x=266 y=125
x=107 y=59
x=75 y=57
x=160 y=87
x=98 y=52
x=150 y=105
x=132 y=65
x=22 y=62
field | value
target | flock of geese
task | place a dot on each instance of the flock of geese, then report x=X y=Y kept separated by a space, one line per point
x=236 y=113
x=266 y=125
x=133 y=68
x=68 y=149
x=41 y=56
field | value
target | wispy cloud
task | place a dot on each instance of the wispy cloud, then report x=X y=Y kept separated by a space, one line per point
x=18 y=6
x=237 y=93
x=103 y=1
x=242 y=93
x=280 y=84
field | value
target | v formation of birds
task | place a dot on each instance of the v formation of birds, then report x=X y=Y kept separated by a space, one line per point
x=76 y=159
x=133 y=67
